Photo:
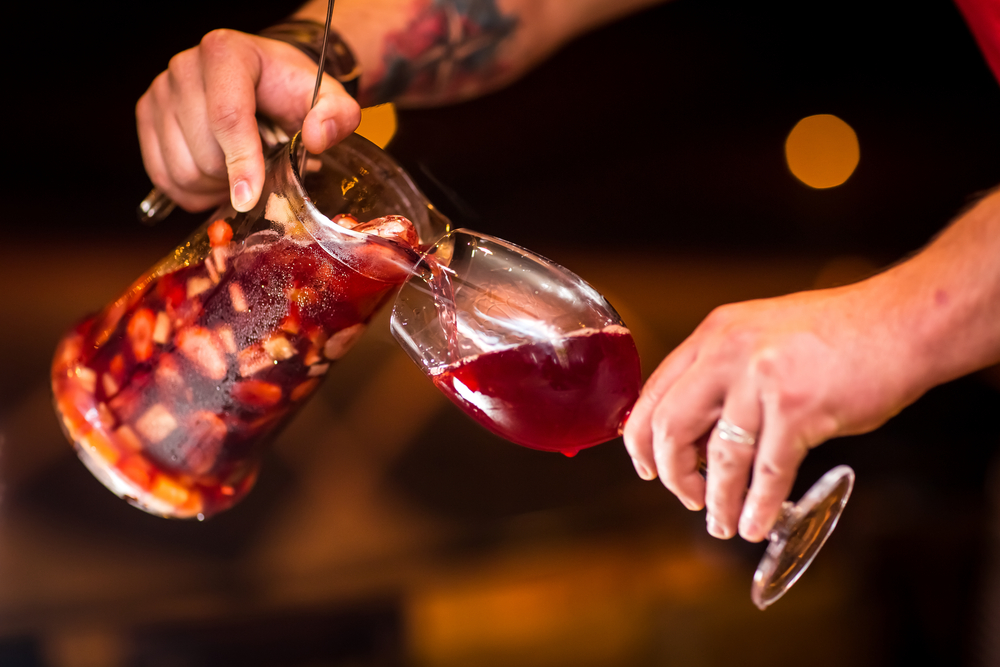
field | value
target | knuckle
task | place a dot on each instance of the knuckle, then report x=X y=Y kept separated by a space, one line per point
x=219 y=41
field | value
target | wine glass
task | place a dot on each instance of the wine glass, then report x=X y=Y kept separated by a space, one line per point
x=799 y=533
x=533 y=353
x=522 y=345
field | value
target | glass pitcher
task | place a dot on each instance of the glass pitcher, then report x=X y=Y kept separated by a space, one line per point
x=169 y=393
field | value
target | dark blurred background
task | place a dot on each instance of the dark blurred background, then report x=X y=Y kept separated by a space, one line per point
x=388 y=529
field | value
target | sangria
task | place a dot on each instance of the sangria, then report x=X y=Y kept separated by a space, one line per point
x=522 y=345
x=170 y=393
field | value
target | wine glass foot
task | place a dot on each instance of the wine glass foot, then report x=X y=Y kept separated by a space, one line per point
x=799 y=534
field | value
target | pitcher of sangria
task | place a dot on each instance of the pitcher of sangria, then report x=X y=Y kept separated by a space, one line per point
x=170 y=393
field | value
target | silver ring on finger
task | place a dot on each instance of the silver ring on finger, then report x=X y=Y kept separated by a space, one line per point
x=733 y=433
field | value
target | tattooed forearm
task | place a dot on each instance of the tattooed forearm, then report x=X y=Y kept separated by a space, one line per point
x=448 y=51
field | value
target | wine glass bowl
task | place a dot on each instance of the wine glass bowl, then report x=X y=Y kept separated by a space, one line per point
x=521 y=344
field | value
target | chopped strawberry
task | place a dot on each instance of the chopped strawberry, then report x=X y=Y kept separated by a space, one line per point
x=219 y=233
x=304 y=389
x=345 y=220
x=169 y=491
x=202 y=348
x=257 y=393
x=140 y=332
x=127 y=438
x=290 y=324
x=117 y=365
x=98 y=444
x=137 y=469
x=205 y=434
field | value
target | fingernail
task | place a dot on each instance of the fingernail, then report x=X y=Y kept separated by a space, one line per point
x=642 y=471
x=715 y=529
x=749 y=528
x=691 y=505
x=329 y=131
x=241 y=195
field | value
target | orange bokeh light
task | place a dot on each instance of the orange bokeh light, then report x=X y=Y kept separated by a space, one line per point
x=822 y=151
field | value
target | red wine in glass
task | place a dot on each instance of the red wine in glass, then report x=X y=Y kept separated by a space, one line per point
x=522 y=345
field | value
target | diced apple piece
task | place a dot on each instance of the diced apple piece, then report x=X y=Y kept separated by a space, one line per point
x=340 y=342
x=196 y=285
x=213 y=273
x=140 y=332
x=225 y=334
x=161 y=331
x=253 y=359
x=237 y=298
x=278 y=347
x=304 y=389
x=219 y=256
x=86 y=378
x=204 y=350
x=279 y=210
x=156 y=424
x=257 y=393
x=318 y=369
x=317 y=340
x=110 y=385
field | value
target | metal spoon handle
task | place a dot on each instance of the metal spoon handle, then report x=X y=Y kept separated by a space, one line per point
x=319 y=78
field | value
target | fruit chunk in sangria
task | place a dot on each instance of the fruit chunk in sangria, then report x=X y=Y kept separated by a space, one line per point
x=169 y=393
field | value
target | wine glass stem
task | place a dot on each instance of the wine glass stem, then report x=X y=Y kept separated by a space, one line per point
x=787 y=518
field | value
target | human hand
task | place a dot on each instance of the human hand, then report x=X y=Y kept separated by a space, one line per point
x=794 y=371
x=196 y=122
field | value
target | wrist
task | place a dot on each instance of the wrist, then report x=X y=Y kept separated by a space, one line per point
x=307 y=36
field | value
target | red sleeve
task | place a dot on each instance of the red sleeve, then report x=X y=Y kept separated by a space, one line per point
x=983 y=17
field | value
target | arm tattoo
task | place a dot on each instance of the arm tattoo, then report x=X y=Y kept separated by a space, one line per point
x=449 y=47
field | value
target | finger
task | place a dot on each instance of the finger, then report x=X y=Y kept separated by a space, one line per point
x=780 y=451
x=187 y=95
x=335 y=116
x=685 y=414
x=156 y=166
x=231 y=70
x=729 y=461
x=638 y=431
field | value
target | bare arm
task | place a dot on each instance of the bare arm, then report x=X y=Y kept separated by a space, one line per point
x=196 y=122
x=800 y=369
